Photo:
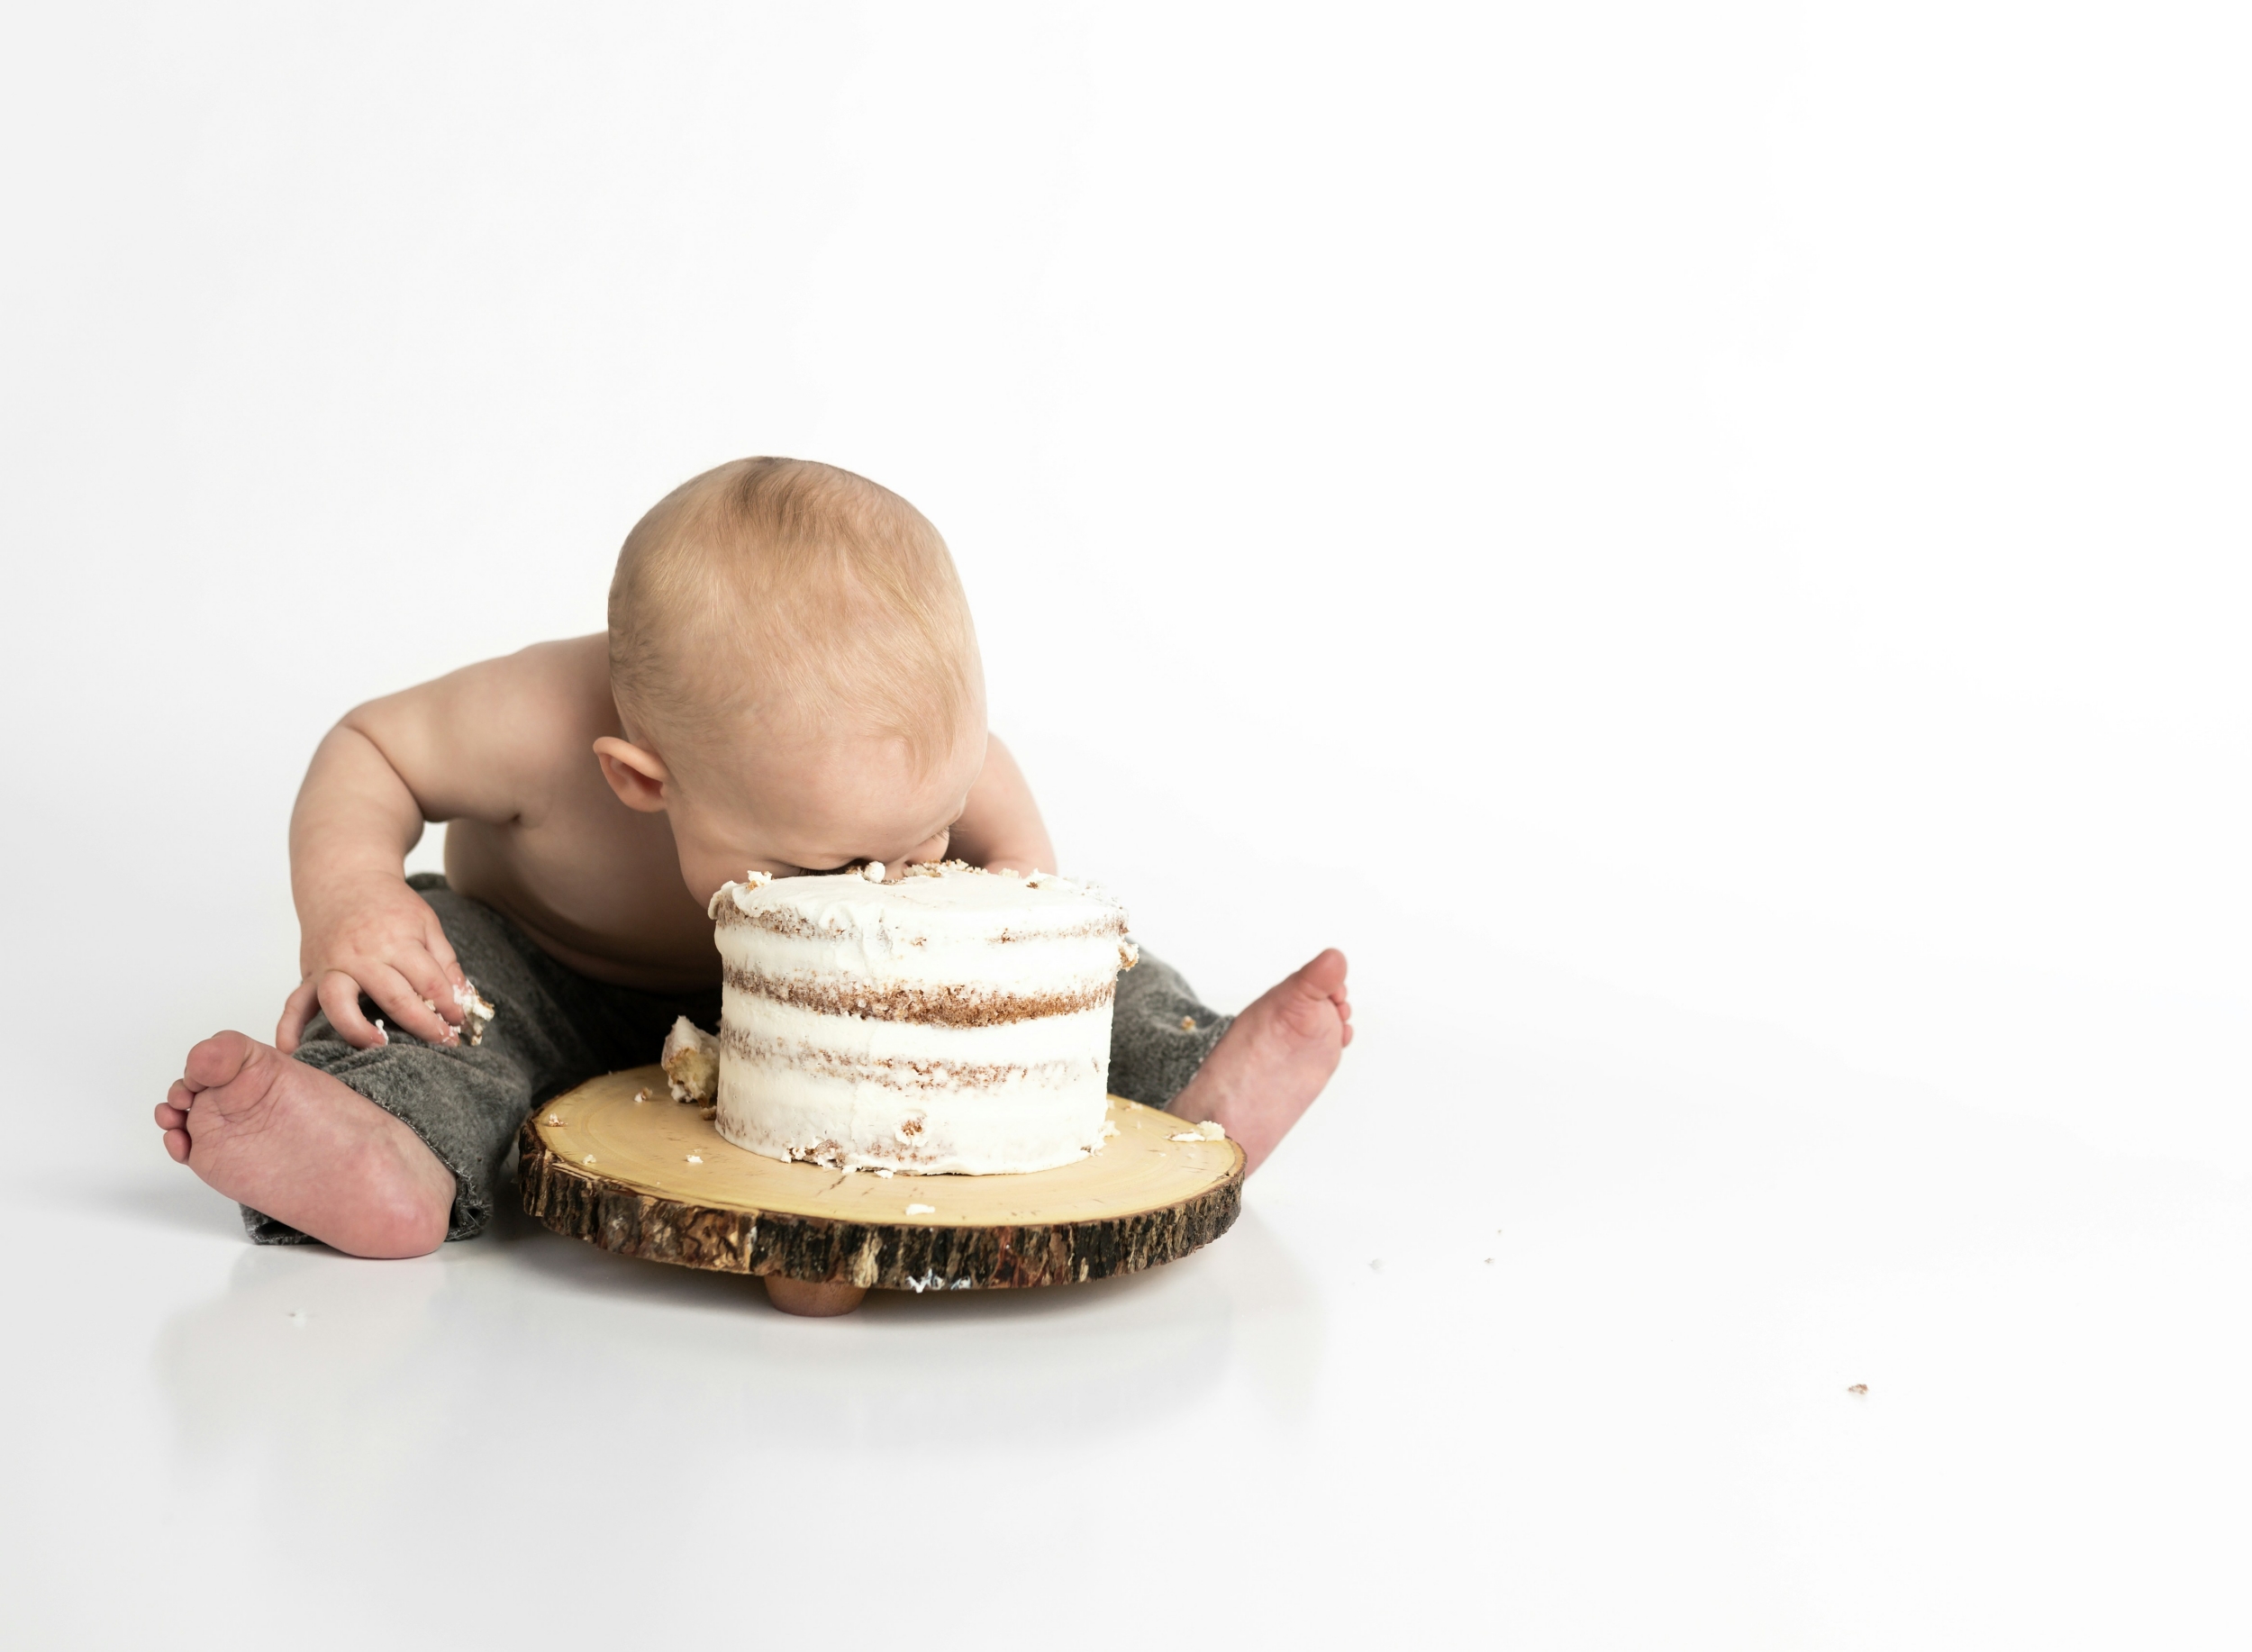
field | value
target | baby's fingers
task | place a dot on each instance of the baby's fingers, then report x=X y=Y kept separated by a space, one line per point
x=339 y=996
x=432 y=988
x=395 y=995
x=440 y=949
x=296 y=1013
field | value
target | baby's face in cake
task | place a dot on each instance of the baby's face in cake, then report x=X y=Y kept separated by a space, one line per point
x=817 y=803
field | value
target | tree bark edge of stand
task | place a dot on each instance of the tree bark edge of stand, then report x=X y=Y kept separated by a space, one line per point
x=879 y=1256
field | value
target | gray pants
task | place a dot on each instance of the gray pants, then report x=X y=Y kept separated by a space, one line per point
x=555 y=1029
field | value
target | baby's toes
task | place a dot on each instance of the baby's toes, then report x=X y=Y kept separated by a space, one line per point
x=216 y=1061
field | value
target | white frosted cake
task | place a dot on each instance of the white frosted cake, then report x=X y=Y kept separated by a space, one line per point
x=951 y=1022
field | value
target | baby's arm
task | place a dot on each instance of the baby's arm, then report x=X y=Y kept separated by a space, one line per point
x=1001 y=828
x=383 y=771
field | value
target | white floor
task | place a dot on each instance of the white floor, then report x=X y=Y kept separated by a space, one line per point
x=1567 y=1361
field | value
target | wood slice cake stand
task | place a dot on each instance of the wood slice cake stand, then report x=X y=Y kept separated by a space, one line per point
x=653 y=1178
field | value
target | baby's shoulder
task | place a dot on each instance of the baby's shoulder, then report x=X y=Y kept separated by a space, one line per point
x=566 y=682
x=548 y=687
x=547 y=703
x=492 y=740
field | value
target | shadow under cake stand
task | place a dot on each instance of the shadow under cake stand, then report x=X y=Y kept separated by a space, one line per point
x=618 y=1163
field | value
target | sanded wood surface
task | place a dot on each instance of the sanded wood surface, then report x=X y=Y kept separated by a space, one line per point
x=652 y=1179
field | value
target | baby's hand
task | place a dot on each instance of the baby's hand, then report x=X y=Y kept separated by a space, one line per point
x=372 y=934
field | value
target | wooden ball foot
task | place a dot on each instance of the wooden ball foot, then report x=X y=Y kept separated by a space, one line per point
x=815 y=1301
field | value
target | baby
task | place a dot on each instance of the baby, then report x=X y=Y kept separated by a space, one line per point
x=790 y=683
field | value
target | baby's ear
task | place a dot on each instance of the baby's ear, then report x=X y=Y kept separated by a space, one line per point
x=636 y=773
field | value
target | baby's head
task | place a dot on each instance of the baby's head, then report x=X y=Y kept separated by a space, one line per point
x=794 y=665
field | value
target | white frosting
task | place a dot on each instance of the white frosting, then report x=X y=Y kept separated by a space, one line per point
x=953 y=1021
x=477 y=1014
x=753 y=880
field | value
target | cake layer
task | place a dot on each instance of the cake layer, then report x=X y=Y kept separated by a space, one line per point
x=824 y=985
x=920 y=1097
x=960 y=1051
x=947 y=903
x=953 y=948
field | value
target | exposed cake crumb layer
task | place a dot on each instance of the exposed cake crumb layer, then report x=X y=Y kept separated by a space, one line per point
x=951 y=1003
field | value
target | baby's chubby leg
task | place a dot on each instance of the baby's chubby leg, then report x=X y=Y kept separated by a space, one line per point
x=289 y=1140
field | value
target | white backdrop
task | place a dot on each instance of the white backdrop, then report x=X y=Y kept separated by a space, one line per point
x=1707 y=546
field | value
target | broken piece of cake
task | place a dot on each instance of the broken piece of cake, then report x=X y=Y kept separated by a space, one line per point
x=691 y=1060
x=476 y=1013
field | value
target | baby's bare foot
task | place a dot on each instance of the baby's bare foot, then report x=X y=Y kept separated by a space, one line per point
x=1275 y=1060
x=290 y=1141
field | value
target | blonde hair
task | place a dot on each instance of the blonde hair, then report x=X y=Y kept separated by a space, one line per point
x=797 y=589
